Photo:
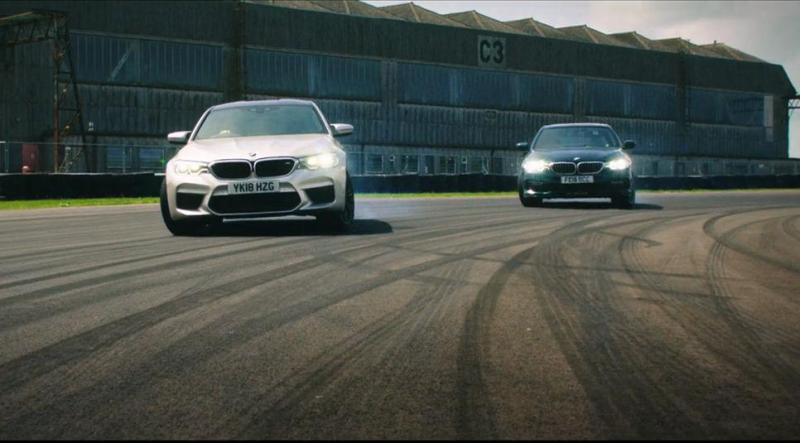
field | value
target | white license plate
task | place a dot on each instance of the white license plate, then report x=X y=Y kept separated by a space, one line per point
x=254 y=187
x=571 y=179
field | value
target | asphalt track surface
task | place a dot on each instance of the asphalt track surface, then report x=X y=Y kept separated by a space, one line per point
x=434 y=318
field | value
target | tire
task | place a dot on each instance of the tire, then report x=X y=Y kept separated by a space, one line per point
x=341 y=221
x=529 y=202
x=177 y=227
x=625 y=201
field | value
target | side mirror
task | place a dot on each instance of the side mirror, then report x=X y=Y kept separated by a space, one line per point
x=629 y=144
x=341 y=129
x=523 y=146
x=179 y=138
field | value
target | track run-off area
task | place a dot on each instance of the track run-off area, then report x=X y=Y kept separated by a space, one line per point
x=433 y=318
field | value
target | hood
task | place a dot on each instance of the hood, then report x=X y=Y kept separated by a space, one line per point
x=266 y=146
x=568 y=155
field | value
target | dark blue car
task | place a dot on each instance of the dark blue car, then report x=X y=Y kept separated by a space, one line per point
x=577 y=160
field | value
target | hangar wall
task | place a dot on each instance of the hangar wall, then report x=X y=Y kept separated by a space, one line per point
x=413 y=91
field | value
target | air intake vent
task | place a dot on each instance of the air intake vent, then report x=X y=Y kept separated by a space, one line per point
x=589 y=167
x=232 y=169
x=274 y=168
x=563 y=168
x=254 y=203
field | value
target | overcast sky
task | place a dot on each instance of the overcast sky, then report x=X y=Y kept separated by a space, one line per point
x=767 y=30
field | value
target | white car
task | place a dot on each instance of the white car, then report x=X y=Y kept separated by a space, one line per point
x=253 y=159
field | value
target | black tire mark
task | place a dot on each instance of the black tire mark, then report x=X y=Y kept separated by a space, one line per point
x=790 y=228
x=192 y=350
x=381 y=340
x=74 y=304
x=694 y=319
x=129 y=261
x=709 y=227
x=107 y=334
x=71 y=249
x=600 y=345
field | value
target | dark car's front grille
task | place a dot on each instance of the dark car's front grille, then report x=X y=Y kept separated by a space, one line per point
x=274 y=168
x=563 y=167
x=253 y=203
x=232 y=169
x=590 y=167
x=188 y=201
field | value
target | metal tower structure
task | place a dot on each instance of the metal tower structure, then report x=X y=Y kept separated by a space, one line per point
x=793 y=103
x=37 y=26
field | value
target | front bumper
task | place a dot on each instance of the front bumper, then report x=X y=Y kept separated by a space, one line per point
x=302 y=192
x=547 y=184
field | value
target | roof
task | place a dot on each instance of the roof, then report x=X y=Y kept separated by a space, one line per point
x=533 y=27
x=637 y=40
x=416 y=13
x=527 y=26
x=475 y=20
x=294 y=4
x=590 y=35
x=727 y=51
x=685 y=46
x=566 y=125
x=282 y=101
x=353 y=7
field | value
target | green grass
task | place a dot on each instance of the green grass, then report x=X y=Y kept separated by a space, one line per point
x=70 y=202
x=660 y=191
x=437 y=194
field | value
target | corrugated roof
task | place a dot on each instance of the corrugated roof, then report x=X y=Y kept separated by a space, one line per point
x=475 y=20
x=415 y=13
x=682 y=45
x=586 y=34
x=294 y=4
x=528 y=26
x=637 y=40
x=533 y=27
x=727 y=51
x=353 y=7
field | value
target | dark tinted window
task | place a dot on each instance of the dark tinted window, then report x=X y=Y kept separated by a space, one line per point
x=257 y=120
x=584 y=137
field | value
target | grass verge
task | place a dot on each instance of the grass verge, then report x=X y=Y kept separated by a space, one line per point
x=70 y=202
x=436 y=194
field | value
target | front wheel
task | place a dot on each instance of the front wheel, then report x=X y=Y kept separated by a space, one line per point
x=529 y=202
x=342 y=220
x=625 y=201
x=177 y=227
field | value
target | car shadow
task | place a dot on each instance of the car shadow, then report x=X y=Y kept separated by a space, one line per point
x=292 y=228
x=594 y=205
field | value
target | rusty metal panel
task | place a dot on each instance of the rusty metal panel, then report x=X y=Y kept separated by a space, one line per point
x=118 y=60
x=651 y=136
x=483 y=88
x=310 y=75
x=625 y=99
x=143 y=112
x=728 y=141
x=729 y=108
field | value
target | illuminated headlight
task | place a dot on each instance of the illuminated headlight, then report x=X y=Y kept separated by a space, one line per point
x=533 y=166
x=185 y=167
x=321 y=161
x=619 y=164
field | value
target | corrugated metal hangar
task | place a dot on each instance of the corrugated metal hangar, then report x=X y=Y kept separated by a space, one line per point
x=427 y=93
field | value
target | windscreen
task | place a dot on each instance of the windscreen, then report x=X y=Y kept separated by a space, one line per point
x=581 y=137
x=259 y=120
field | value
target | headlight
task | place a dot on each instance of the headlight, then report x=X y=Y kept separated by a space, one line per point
x=321 y=161
x=186 y=167
x=533 y=166
x=619 y=164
